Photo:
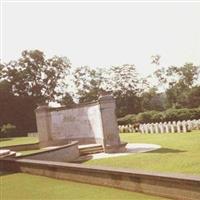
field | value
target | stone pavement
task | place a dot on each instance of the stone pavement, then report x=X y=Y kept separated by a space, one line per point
x=131 y=148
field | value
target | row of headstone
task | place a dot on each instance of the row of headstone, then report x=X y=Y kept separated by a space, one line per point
x=32 y=134
x=162 y=127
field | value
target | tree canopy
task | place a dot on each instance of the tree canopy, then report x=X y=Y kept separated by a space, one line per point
x=34 y=75
x=35 y=79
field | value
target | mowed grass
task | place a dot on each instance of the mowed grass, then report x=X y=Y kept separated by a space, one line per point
x=180 y=153
x=29 y=152
x=17 y=141
x=30 y=187
x=6 y=142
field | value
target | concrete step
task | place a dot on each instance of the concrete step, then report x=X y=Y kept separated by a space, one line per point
x=90 y=149
x=83 y=158
x=4 y=153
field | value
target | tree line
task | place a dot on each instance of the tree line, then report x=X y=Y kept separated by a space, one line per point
x=34 y=79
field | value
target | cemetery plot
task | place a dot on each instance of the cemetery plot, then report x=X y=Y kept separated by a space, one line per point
x=38 y=187
x=180 y=153
x=17 y=141
x=162 y=127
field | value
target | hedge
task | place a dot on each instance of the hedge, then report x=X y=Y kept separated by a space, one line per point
x=7 y=130
x=156 y=116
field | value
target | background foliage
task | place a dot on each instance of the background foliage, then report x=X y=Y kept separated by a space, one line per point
x=170 y=93
x=171 y=114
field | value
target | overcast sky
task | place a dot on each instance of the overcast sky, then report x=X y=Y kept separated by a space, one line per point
x=104 y=34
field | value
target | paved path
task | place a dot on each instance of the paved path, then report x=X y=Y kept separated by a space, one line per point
x=131 y=148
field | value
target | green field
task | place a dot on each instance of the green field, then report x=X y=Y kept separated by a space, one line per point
x=4 y=142
x=180 y=152
x=30 y=187
x=17 y=141
x=29 y=152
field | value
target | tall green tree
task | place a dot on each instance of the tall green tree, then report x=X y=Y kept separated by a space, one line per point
x=88 y=83
x=66 y=100
x=186 y=75
x=32 y=79
x=124 y=83
x=185 y=78
x=35 y=76
x=178 y=82
x=192 y=98
x=121 y=81
x=153 y=100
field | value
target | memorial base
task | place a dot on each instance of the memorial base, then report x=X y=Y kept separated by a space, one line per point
x=120 y=148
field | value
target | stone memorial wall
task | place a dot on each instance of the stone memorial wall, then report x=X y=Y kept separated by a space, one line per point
x=86 y=123
x=83 y=124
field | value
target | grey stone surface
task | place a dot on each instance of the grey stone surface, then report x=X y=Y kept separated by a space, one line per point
x=164 y=127
x=64 y=153
x=156 y=128
x=178 y=125
x=151 y=128
x=89 y=123
x=175 y=186
x=6 y=153
x=130 y=149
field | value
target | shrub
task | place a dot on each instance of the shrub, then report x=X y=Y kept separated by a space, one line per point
x=128 y=119
x=144 y=117
x=181 y=114
x=149 y=116
x=157 y=117
x=171 y=114
x=8 y=129
x=195 y=113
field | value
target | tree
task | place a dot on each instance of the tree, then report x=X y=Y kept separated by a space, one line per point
x=35 y=76
x=121 y=81
x=67 y=100
x=178 y=82
x=193 y=97
x=155 y=59
x=185 y=76
x=26 y=82
x=88 y=83
x=1 y=70
x=152 y=100
x=8 y=129
x=181 y=85
x=124 y=84
x=17 y=110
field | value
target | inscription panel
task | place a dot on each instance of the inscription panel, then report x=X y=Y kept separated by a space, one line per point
x=83 y=122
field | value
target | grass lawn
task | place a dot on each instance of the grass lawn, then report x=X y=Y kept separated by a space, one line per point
x=24 y=186
x=180 y=152
x=17 y=141
x=4 y=142
x=29 y=152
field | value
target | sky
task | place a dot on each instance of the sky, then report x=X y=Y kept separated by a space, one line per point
x=101 y=34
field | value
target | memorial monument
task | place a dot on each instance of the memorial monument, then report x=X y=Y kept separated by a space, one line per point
x=91 y=123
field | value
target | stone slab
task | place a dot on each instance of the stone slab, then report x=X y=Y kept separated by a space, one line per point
x=4 y=152
x=131 y=148
x=175 y=186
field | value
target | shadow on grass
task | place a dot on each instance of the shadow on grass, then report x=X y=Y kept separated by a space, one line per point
x=5 y=173
x=83 y=159
x=166 y=150
x=5 y=139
